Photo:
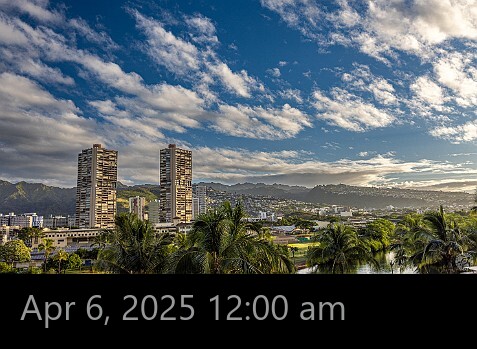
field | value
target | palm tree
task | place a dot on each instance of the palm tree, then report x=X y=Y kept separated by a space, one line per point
x=444 y=243
x=134 y=247
x=407 y=240
x=47 y=246
x=221 y=242
x=293 y=249
x=60 y=256
x=340 y=250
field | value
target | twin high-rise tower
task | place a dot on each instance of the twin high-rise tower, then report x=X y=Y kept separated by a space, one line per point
x=97 y=182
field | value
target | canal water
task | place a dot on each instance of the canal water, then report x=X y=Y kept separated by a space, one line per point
x=384 y=259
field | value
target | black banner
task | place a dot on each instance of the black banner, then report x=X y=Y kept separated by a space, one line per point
x=100 y=302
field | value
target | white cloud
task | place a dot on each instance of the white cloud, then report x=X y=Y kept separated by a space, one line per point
x=200 y=65
x=303 y=15
x=457 y=72
x=349 y=111
x=282 y=63
x=258 y=122
x=383 y=91
x=457 y=134
x=237 y=82
x=298 y=168
x=291 y=94
x=363 y=154
x=429 y=92
x=99 y=38
x=38 y=70
x=275 y=72
x=202 y=29
x=415 y=26
x=362 y=79
x=176 y=54
x=9 y=34
x=37 y=9
x=39 y=134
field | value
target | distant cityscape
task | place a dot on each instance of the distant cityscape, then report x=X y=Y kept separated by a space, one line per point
x=174 y=205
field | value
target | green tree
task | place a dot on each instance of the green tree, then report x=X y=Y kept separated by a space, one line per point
x=60 y=256
x=407 y=240
x=5 y=267
x=444 y=243
x=48 y=248
x=134 y=247
x=221 y=242
x=74 y=261
x=379 y=233
x=15 y=251
x=340 y=251
x=293 y=250
x=28 y=233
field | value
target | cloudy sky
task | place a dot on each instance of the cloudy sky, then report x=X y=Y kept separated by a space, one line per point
x=298 y=92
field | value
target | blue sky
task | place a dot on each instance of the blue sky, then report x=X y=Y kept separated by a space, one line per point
x=299 y=92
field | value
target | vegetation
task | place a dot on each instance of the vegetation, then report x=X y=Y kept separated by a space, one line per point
x=434 y=243
x=6 y=268
x=378 y=234
x=59 y=257
x=134 y=248
x=48 y=248
x=221 y=242
x=29 y=233
x=14 y=251
x=340 y=250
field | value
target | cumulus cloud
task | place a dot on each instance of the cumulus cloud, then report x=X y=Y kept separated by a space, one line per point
x=362 y=79
x=275 y=72
x=349 y=111
x=36 y=9
x=457 y=72
x=428 y=91
x=176 y=54
x=39 y=132
x=303 y=15
x=461 y=133
x=382 y=27
x=257 y=122
x=292 y=95
x=199 y=64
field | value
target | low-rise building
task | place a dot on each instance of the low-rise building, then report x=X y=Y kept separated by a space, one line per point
x=285 y=239
x=69 y=239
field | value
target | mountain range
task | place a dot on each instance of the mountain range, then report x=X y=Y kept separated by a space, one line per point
x=25 y=197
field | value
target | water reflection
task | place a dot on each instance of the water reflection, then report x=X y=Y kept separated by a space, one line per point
x=384 y=259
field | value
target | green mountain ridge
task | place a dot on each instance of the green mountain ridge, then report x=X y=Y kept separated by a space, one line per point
x=25 y=197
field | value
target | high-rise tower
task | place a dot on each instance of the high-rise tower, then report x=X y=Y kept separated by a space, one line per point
x=176 y=184
x=96 y=187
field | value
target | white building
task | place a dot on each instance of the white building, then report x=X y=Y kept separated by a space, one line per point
x=200 y=192
x=137 y=205
x=58 y=222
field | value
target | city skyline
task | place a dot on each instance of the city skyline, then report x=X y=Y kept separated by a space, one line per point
x=294 y=92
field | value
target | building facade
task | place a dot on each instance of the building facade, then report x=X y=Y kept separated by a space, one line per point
x=137 y=206
x=176 y=184
x=195 y=208
x=153 y=212
x=200 y=192
x=96 y=188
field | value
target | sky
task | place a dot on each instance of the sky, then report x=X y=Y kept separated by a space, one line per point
x=298 y=92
